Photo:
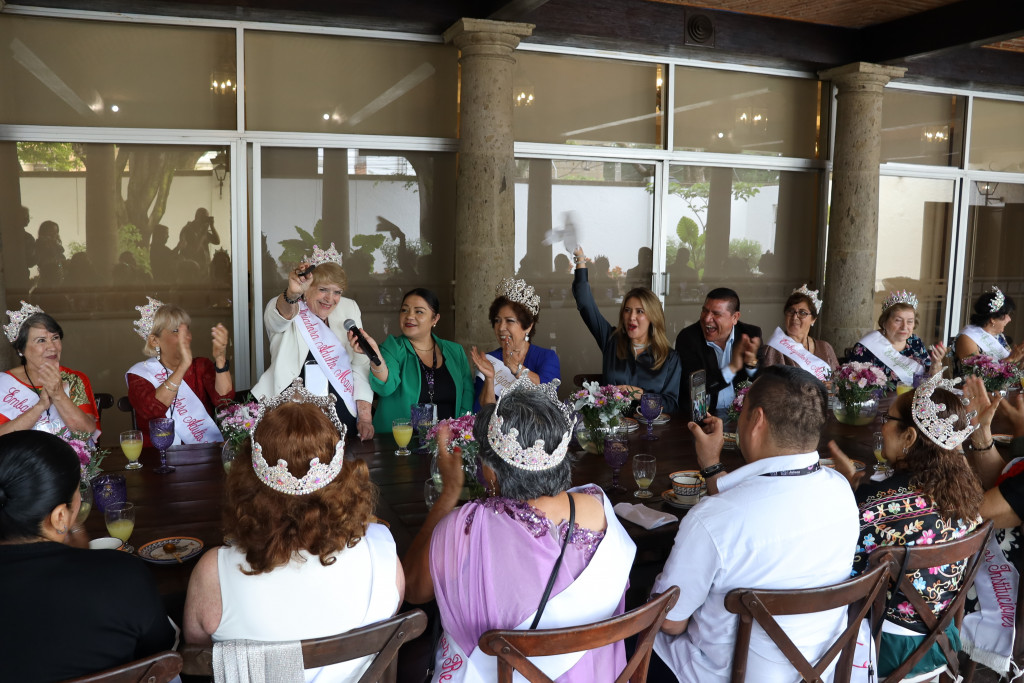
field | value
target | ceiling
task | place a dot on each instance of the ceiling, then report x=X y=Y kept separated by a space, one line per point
x=845 y=13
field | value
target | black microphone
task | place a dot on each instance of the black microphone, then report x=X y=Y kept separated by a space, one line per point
x=350 y=325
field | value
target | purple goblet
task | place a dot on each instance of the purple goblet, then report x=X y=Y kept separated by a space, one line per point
x=650 y=408
x=161 y=433
x=422 y=417
x=616 y=453
x=109 y=489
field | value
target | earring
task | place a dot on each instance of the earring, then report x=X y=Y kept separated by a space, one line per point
x=158 y=353
x=905 y=449
x=527 y=338
x=62 y=530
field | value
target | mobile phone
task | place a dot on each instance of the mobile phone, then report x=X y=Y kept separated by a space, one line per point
x=699 y=394
x=307 y=271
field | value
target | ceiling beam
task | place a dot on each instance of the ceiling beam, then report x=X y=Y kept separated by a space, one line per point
x=514 y=10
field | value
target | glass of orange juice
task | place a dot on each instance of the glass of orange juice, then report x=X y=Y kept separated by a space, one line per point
x=402 y=431
x=131 y=444
x=120 y=518
x=902 y=388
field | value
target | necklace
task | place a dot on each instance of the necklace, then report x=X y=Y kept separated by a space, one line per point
x=32 y=382
x=428 y=372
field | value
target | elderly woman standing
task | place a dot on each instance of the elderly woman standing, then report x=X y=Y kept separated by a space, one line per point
x=985 y=333
x=535 y=529
x=307 y=559
x=894 y=347
x=305 y=324
x=513 y=313
x=174 y=384
x=41 y=393
x=794 y=344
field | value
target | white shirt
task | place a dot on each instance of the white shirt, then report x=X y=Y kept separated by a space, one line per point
x=724 y=356
x=781 y=532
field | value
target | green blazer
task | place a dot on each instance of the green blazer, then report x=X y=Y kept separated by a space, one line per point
x=396 y=396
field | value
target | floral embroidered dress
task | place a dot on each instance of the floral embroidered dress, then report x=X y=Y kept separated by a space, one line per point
x=914 y=349
x=893 y=513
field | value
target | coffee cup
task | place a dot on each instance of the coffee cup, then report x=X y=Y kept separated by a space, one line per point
x=686 y=485
x=105 y=543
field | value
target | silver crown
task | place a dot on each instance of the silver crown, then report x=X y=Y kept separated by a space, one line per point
x=534 y=458
x=144 y=325
x=811 y=294
x=925 y=413
x=520 y=292
x=321 y=256
x=18 y=319
x=998 y=299
x=320 y=475
x=902 y=297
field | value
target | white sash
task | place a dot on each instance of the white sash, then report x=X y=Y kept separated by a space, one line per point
x=16 y=399
x=904 y=367
x=329 y=352
x=192 y=424
x=795 y=351
x=986 y=342
x=586 y=600
x=503 y=377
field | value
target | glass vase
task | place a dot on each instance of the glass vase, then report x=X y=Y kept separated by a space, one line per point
x=84 y=488
x=856 y=413
x=227 y=454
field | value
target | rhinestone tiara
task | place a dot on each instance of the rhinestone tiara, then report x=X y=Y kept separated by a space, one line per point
x=925 y=413
x=998 y=299
x=18 y=319
x=811 y=294
x=144 y=325
x=520 y=292
x=320 y=256
x=534 y=458
x=278 y=477
x=901 y=297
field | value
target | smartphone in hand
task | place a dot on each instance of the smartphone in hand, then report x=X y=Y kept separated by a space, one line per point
x=699 y=395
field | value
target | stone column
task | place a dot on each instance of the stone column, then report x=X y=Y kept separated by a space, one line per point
x=485 y=189
x=848 y=312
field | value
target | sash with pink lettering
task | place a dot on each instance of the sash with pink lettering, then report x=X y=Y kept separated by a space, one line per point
x=795 y=351
x=192 y=424
x=16 y=399
x=330 y=354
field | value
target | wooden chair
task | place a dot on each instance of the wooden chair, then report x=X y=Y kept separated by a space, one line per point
x=1017 y=653
x=158 y=668
x=125 y=406
x=103 y=401
x=579 y=379
x=860 y=595
x=513 y=647
x=969 y=548
x=381 y=639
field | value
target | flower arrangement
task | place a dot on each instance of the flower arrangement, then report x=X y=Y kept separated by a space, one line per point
x=601 y=406
x=89 y=456
x=460 y=435
x=235 y=421
x=858 y=386
x=996 y=374
x=736 y=407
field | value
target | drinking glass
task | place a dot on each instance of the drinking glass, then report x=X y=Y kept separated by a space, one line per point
x=430 y=492
x=616 y=453
x=109 y=489
x=131 y=444
x=121 y=522
x=161 y=433
x=882 y=465
x=650 y=408
x=644 y=468
x=422 y=421
x=402 y=431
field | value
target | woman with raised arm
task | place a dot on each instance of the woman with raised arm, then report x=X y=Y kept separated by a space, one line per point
x=985 y=333
x=894 y=347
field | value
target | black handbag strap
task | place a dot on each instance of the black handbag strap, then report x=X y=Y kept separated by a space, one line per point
x=558 y=564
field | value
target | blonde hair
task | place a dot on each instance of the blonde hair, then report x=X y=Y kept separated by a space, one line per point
x=656 y=337
x=330 y=273
x=167 y=317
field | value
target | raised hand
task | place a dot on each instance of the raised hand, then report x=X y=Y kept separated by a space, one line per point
x=298 y=284
x=185 y=345
x=708 y=438
x=481 y=363
x=449 y=463
x=49 y=377
x=219 y=335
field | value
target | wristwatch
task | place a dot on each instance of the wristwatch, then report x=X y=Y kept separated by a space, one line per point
x=711 y=471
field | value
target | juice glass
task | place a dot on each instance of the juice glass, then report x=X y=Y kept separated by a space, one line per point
x=402 y=431
x=120 y=519
x=131 y=445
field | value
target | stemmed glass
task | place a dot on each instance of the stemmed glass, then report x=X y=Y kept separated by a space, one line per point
x=644 y=468
x=161 y=433
x=650 y=408
x=616 y=453
x=882 y=466
x=402 y=431
x=422 y=421
x=121 y=522
x=430 y=492
x=131 y=444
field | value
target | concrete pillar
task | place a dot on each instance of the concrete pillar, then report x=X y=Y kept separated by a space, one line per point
x=485 y=189
x=853 y=216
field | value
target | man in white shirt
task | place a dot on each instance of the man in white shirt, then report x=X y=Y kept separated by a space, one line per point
x=781 y=521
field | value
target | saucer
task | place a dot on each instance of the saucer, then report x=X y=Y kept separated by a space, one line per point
x=186 y=547
x=829 y=463
x=660 y=420
x=630 y=424
x=672 y=500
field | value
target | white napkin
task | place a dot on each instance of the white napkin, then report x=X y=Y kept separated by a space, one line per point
x=648 y=518
x=880 y=476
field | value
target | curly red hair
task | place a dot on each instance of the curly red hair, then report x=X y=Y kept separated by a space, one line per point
x=269 y=526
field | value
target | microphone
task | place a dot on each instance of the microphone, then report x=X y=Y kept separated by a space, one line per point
x=350 y=326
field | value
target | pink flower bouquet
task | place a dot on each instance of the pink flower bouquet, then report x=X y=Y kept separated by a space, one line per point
x=997 y=375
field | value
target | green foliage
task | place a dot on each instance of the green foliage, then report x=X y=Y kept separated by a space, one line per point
x=389 y=250
x=671 y=248
x=295 y=250
x=55 y=156
x=692 y=237
x=130 y=239
x=748 y=250
x=75 y=248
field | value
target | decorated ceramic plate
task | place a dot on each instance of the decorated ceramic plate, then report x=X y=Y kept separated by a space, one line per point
x=675 y=502
x=630 y=424
x=171 y=550
x=1002 y=438
x=660 y=420
x=828 y=462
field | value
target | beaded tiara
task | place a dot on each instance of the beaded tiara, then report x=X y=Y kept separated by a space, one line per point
x=998 y=299
x=144 y=325
x=320 y=256
x=925 y=413
x=18 y=319
x=811 y=294
x=901 y=297
x=534 y=458
x=278 y=477
x=520 y=292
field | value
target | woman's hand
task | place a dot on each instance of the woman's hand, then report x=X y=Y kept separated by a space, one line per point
x=581 y=260
x=184 y=346
x=354 y=342
x=936 y=353
x=449 y=464
x=219 y=334
x=1016 y=353
x=1014 y=411
x=481 y=363
x=844 y=465
x=298 y=284
x=44 y=400
x=981 y=403
x=49 y=377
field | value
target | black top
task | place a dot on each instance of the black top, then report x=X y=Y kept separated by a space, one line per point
x=68 y=612
x=444 y=391
x=695 y=354
x=347 y=418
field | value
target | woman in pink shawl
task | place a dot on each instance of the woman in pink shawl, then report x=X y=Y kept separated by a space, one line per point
x=488 y=563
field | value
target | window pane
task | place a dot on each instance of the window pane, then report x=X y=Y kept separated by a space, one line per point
x=584 y=101
x=921 y=128
x=752 y=230
x=608 y=208
x=733 y=112
x=332 y=84
x=997 y=135
x=70 y=72
x=914 y=229
x=94 y=228
x=390 y=213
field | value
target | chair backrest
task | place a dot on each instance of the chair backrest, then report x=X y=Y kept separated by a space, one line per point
x=125 y=406
x=382 y=639
x=902 y=561
x=103 y=401
x=158 y=668
x=512 y=648
x=860 y=595
x=579 y=379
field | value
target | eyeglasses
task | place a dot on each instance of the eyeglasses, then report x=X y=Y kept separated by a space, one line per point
x=800 y=313
x=886 y=417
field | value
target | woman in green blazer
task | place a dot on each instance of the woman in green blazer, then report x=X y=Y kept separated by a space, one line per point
x=417 y=367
